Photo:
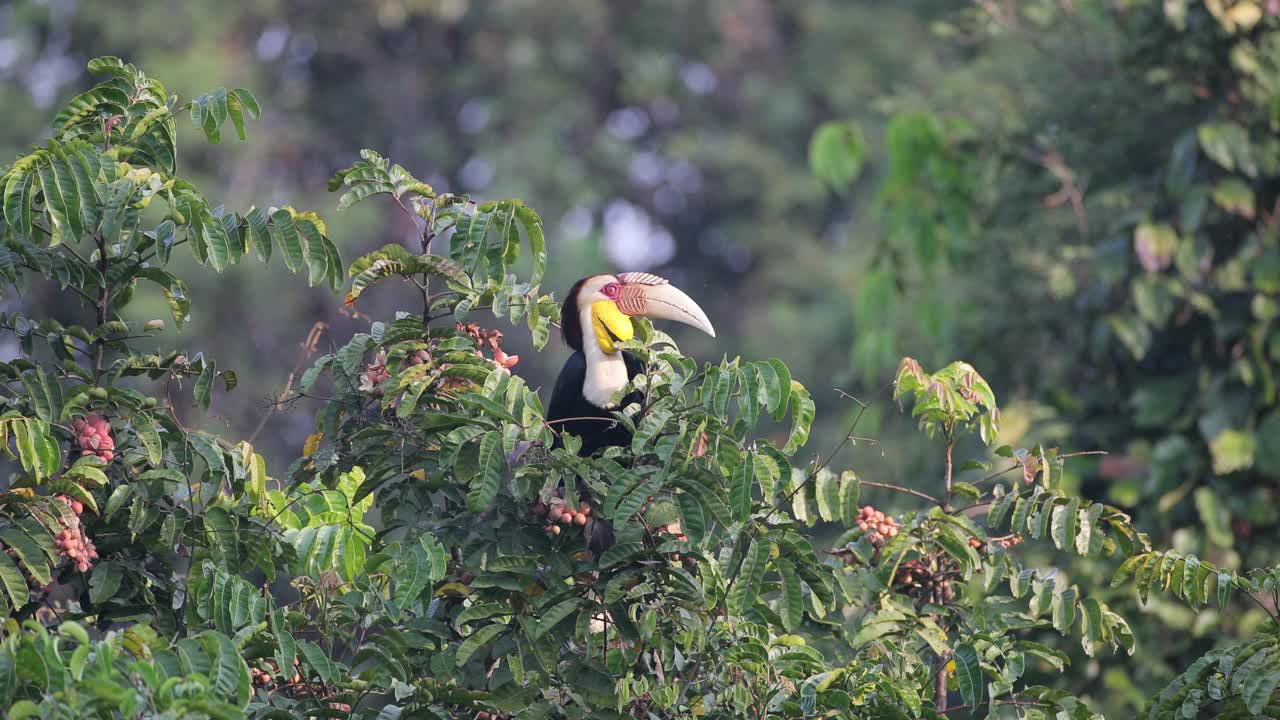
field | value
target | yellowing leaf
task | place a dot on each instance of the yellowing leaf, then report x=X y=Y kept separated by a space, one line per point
x=314 y=218
x=453 y=588
x=1232 y=450
x=312 y=444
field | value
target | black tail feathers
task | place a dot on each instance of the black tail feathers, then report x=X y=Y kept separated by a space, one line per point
x=601 y=537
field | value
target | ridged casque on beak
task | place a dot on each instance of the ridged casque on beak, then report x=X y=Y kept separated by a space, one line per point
x=649 y=296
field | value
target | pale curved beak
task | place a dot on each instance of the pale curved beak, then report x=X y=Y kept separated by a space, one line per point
x=649 y=296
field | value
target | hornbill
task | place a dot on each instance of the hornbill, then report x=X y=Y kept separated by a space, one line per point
x=596 y=315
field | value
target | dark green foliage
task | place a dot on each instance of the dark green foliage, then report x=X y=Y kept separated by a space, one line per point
x=410 y=565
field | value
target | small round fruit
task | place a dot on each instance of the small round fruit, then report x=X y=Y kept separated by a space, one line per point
x=580 y=520
x=555 y=529
x=98 y=393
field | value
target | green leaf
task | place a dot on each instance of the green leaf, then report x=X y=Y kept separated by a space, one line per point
x=740 y=491
x=999 y=511
x=484 y=488
x=746 y=588
x=532 y=225
x=105 y=581
x=1227 y=144
x=22 y=541
x=958 y=547
x=791 y=599
x=39 y=393
x=175 y=292
x=968 y=674
x=1064 y=520
x=19 y=191
x=555 y=615
x=827 y=493
x=317 y=660
x=316 y=257
x=836 y=153
x=286 y=235
x=620 y=553
x=1127 y=570
x=1232 y=451
x=1064 y=610
x=286 y=649
x=634 y=499
x=414 y=571
x=248 y=102
x=1260 y=685
x=802 y=414
x=477 y=640
x=850 y=491
x=259 y=233
x=778 y=393
x=107 y=97
x=62 y=200
x=12 y=581
x=224 y=249
x=204 y=384
x=145 y=429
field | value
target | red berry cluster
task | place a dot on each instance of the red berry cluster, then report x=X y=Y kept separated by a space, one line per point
x=492 y=338
x=420 y=357
x=374 y=373
x=76 y=506
x=71 y=540
x=878 y=526
x=93 y=437
x=1008 y=541
x=920 y=580
x=558 y=514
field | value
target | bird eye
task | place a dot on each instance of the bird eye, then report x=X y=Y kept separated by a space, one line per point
x=611 y=290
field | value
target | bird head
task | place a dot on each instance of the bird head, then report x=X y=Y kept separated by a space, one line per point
x=605 y=304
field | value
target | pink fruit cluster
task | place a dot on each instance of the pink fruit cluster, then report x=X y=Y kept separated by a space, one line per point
x=492 y=338
x=93 y=437
x=558 y=514
x=374 y=373
x=76 y=506
x=71 y=540
x=419 y=357
x=878 y=526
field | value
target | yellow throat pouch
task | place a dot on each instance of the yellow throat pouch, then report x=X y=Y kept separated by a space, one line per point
x=610 y=323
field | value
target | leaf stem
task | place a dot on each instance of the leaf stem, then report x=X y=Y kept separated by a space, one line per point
x=951 y=444
x=103 y=302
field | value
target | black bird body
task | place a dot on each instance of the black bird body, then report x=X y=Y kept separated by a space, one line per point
x=570 y=411
x=595 y=316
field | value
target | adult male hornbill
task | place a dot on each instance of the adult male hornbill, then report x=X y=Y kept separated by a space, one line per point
x=597 y=314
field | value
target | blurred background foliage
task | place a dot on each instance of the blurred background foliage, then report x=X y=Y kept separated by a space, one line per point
x=1077 y=196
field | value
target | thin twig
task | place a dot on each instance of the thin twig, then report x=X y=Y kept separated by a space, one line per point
x=848 y=436
x=309 y=345
x=901 y=489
